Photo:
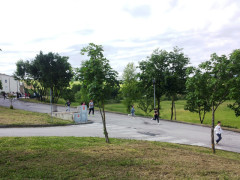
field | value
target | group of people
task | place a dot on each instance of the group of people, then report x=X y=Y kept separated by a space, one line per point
x=91 y=106
x=155 y=116
x=17 y=94
x=218 y=130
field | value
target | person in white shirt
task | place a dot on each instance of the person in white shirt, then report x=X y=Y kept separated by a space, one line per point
x=218 y=130
x=91 y=108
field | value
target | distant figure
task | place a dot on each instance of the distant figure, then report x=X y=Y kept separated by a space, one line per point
x=156 y=116
x=133 y=111
x=25 y=95
x=91 y=107
x=218 y=130
x=68 y=105
x=4 y=95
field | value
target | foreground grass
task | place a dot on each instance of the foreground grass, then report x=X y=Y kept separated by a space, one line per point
x=223 y=114
x=21 y=117
x=91 y=158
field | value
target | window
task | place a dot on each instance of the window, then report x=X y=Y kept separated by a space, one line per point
x=5 y=81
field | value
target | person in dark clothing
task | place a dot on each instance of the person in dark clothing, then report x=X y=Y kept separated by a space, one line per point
x=68 y=105
x=156 y=117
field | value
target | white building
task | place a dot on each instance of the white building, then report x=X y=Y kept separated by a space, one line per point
x=9 y=84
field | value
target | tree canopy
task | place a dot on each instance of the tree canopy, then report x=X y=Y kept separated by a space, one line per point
x=98 y=78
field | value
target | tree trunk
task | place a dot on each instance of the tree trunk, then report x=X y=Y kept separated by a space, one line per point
x=199 y=114
x=104 y=123
x=158 y=101
x=212 y=129
x=172 y=109
x=175 y=113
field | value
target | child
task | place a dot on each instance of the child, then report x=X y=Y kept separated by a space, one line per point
x=156 y=117
x=133 y=111
x=91 y=108
x=218 y=131
x=68 y=105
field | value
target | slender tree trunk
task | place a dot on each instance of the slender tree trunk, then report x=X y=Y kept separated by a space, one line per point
x=172 y=109
x=158 y=101
x=199 y=114
x=175 y=112
x=104 y=123
x=212 y=129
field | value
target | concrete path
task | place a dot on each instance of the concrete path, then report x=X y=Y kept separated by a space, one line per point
x=122 y=126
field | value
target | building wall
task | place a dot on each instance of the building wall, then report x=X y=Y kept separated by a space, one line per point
x=9 y=84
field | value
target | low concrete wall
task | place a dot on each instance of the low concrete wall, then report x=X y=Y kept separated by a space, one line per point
x=64 y=115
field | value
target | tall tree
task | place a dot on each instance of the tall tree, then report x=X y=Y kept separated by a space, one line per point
x=129 y=87
x=198 y=93
x=98 y=78
x=51 y=71
x=176 y=76
x=154 y=67
x=218 y=82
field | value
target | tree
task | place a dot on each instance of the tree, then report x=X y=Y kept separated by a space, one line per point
x=198 y=93
x=129 y=87
x=218 y=81
x=176 y=75
x=46 y=71
x=1 y=85
x=98 y=78
x=154 y=67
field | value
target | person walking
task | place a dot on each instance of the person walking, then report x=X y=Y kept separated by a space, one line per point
x=4 y=95
x=218 y=130
x=156 y=117
x=68 y=103
x=91 y=107
x=133 y=111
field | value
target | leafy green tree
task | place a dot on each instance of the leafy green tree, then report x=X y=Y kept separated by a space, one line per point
x=98 y=78
x=50 y=71
x=176 y=76
x=235 y=82
x=198 y=93
x=219 y=79
x=154 y=67
x=129 y=87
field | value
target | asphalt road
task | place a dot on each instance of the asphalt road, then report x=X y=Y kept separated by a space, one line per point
x=123 y=126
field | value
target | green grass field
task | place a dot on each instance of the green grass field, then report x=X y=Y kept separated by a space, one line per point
x=223 y=114
x=21 y=117
x=91 y=158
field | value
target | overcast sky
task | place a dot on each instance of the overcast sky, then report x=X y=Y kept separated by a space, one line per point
x=128 y=30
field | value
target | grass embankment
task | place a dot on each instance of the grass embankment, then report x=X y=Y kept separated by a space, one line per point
x=91 y=158
x=61 y=102
x=223 y=113
x=21 y=117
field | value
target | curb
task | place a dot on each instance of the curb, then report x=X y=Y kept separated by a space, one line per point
x=42 y=125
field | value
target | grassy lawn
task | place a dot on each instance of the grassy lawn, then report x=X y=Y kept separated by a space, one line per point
x=91 y=158
x=223 y=114
x=61 y=102
x=21 y=117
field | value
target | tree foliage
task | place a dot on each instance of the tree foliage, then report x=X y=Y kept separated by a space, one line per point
x=46 y=71
x=176 y=75
x=154 y=67
x=198 y=93
x=129 y=87
x=98 y=78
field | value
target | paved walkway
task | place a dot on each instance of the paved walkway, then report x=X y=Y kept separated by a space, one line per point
x=122 y=126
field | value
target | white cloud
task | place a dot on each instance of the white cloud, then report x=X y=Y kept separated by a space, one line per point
x=129 y=30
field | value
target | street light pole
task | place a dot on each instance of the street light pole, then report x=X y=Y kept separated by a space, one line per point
x=154 y=82
x=51 y=103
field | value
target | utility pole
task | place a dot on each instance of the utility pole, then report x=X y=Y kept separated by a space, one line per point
x=154 y=82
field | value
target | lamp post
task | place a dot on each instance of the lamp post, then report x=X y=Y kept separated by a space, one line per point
x=154 y=82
